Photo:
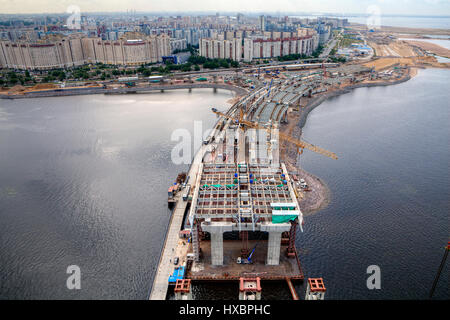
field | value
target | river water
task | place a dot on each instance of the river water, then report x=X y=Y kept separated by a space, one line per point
x=390 y=189
x=83 y=181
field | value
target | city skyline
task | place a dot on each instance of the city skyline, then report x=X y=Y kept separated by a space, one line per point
x=387 y=7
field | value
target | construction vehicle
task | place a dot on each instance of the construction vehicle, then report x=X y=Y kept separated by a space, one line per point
x=299 y=143
x=247 y=260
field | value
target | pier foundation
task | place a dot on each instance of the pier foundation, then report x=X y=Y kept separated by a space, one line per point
x=183 y=289
x=250 y=288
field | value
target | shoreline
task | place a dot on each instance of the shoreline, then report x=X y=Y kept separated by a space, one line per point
x=406 y=30
x=312 y=202
x=320 y=196
x=239 y=91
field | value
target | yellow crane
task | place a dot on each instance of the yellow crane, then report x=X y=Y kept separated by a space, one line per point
x=300 y=144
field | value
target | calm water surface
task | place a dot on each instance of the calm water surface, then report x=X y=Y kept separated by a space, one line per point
x=390 y=202
x=83 y=181
x=436 y=22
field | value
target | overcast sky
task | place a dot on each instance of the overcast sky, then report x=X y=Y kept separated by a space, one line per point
x=411 y=7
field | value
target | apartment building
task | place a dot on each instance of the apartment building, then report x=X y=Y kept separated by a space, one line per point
x=74 y=51
x=276 y=47
x=221 y=49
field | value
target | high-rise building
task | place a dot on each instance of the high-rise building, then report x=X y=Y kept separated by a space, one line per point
x=76 y=50
x=262 y=23
x=276 y=47
x=221 y=49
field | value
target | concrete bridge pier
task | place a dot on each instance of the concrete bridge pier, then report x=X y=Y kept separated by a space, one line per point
x=217 y=230
x=273 y=249
x=274 y=243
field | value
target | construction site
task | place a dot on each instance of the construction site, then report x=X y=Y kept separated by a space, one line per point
x=241 y=213
x=239 y=209
x=241 y=206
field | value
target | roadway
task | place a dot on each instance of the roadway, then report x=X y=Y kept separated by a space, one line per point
x=166 y=265
x=122 y=90
x=328 y=49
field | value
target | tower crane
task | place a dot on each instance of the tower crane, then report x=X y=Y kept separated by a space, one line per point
x=299 y=143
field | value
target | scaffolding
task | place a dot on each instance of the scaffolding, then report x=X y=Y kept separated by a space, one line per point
x=240 y=193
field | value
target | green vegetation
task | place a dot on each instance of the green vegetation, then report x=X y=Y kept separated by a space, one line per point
x=298 y=56
x=319 y=50
x=12 y=78
x=347 y=40
x=213 y=63
x=337 y=59
x=294 y=56
x=197 y=59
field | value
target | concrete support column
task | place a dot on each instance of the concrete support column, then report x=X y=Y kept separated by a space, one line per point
x=217 y=229
x=273 y=248
x=217 y=248
x=274 y=244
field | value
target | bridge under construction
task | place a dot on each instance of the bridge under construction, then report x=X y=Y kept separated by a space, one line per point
x=237 y=214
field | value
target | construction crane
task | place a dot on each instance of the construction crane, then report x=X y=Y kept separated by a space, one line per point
x=325 y=74
x=270 y=87
x=299 y=143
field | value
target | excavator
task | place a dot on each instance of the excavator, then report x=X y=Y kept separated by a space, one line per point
x=247 y=260
x=299 y=143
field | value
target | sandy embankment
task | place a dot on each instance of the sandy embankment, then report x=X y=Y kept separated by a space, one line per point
x=404 y=30
x=431 y=47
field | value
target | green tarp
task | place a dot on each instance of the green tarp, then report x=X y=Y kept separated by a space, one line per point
x=283 y=218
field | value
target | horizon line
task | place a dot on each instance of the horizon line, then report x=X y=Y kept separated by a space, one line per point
x=227 y=13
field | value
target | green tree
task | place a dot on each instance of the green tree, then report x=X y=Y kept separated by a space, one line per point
x=186 y=67
x=147 y=72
